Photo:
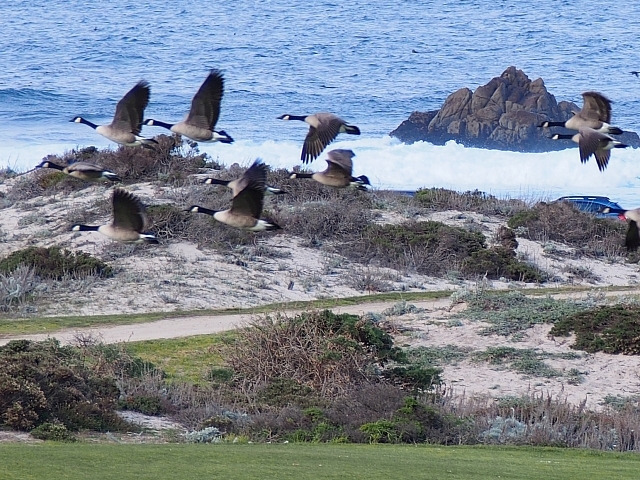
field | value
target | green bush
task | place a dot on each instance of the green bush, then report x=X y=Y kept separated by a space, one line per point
x=563 y=222
x=56 y=432
x=44 y=381
x=499 y=262
x=55 y=263
x=147 y=404
x=431 y=248
x=609 y=329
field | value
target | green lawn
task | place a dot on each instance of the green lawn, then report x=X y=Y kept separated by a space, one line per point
x=299 y=462
x=185 y=358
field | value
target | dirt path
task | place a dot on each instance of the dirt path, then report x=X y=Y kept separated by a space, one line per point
x=187 y=326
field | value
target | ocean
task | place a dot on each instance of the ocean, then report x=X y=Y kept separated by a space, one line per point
x=356 y=59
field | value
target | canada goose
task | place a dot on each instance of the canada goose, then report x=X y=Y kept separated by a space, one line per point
x=248 y=199
x=595 y=113
x=323 y=129
x=127 y=121
x=632 y=240
x=592 y=142
x=338 y=172
x=637 y=74
x=204 y=113
x=237 y=184
x=82 y=170
x=129 y=220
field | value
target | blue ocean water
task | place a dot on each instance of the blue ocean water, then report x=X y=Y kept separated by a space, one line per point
x=67 y=58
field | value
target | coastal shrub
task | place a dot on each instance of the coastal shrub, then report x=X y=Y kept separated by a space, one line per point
x=496 y=262
x=147 y=404
x=440 y=199
x=55 y=263
x=53 y=431
x=44 y=382
x=323 y=351
x=340 y=220
x=510 y=314
x=563 y=222
x=16 y=287
x=431 y=248
x=610 y=329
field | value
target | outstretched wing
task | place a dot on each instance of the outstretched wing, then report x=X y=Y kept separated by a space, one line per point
x=205 y=106
x=130 y=109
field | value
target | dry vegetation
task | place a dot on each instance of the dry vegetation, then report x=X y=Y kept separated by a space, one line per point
x=318 y=376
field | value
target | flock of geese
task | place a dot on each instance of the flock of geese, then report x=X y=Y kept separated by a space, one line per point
x=130 y=222
x=594 y=138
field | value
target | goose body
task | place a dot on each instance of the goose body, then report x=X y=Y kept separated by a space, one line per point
x=632 y=240
x=127 y=122
x=595 y=114
x=203 y=116
x=593 y=142
x=83 y=170
x=338 y=173
x=129 y=220
x=247 y=203
x=323 y=129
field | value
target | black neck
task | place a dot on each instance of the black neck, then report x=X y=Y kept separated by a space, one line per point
x=297 y=117
x=162 y=124
x=87 y=122
x=563 y=136
x=52 y=165
x=304 y=175
x=206 y=211
x=86 y=228
x=215 y=181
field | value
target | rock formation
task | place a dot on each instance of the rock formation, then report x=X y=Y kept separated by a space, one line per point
x=504 y=114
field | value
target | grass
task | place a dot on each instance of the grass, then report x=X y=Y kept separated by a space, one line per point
x=295 y=461
x=185 y=358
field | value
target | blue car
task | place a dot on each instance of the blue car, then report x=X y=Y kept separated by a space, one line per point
x=592 y=205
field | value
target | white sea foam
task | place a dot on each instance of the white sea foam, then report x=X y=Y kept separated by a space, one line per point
x=390 y=164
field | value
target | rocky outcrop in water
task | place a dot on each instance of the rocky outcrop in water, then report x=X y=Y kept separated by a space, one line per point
x=504 y=114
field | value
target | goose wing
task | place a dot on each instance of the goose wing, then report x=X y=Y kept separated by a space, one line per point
x=339 y=163
x=590 y=142
x=596 y=106
x=205 y=106
x=250 y=199
x=326 y=130
x=128 y=211
x=257 y=172
x=130 y=109
x=632 y=241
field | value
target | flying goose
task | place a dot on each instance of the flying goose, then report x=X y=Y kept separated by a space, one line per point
x=633 y=72
x=238 y=182
x=338 y=172
x=593 y=142
x=127 y=122
x=323 y=129
x=248 y=199
x=595 y=113
x=82 y=170
x=204 y=113
x=632 y=240
x=129 y=220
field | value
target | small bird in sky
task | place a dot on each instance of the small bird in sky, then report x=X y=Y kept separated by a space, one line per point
x=637 y=74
